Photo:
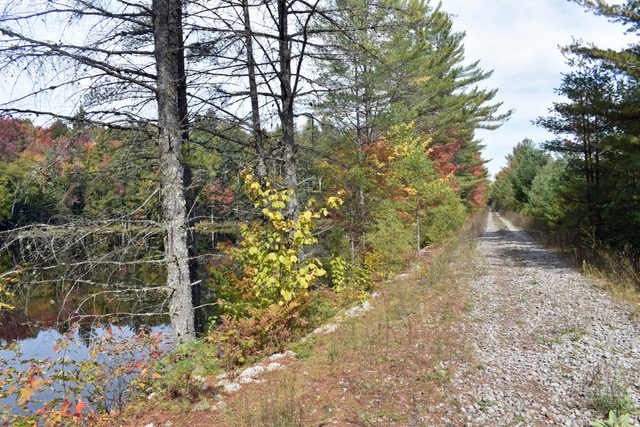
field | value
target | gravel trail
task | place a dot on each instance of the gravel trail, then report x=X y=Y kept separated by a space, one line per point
x=546 y=340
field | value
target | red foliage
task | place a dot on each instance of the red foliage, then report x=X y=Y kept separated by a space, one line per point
x=219 y=195
x=443 y=155
x=14 y=136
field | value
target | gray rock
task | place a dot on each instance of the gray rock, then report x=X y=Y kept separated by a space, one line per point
x=548 y=340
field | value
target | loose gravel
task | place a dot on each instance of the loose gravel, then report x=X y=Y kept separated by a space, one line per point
x=547 y=341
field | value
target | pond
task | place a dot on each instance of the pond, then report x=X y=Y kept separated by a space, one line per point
x=89 y=320
x=92 y=366
x=55 y=353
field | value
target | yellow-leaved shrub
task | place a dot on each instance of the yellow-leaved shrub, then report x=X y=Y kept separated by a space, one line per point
x=273 y=277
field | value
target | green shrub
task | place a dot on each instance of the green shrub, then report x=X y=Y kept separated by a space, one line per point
x=349 y=281
x=177 y=374
x=444 y=219
x=389 y=241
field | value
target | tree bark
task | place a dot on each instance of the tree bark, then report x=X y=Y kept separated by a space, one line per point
x=169 y=55
x=418 y=237
x=256 y=125
x=286 y=113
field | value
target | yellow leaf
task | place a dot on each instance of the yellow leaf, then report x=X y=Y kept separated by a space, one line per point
x=25 y=394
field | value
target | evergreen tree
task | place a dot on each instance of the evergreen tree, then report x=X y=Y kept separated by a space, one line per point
x=625 y=61
x=513 y=183
x=549 y=194
x=582 y=131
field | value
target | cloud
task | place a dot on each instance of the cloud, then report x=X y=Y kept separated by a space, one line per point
x=520 y=41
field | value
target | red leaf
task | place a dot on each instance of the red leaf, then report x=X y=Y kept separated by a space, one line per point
x=79 y=407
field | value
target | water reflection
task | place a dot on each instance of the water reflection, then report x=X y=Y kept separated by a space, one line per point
x=117 y=352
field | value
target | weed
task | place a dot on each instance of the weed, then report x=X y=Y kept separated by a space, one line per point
x=614 y=420
x=615 y=400
x=611 y=394
x=546 y=341
x=201 y=406
x=441 y=375
x=574 y=332
x=486 y=404
x=303 y=348
x=468 y=306
x=280 y=408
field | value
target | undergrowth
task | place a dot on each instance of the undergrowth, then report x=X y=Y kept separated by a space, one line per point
x=611 y=395
x=381 y=368
x=394 y=336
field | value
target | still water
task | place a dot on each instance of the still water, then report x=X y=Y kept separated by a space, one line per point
x=43 y=349
x=45 y=333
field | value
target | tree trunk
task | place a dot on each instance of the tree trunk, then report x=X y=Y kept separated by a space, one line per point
x=169 y=54
x=196 y=287
x=286 y=114
x=253 y=94
x=418 y=237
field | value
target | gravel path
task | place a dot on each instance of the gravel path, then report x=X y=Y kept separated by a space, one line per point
x=546 y=340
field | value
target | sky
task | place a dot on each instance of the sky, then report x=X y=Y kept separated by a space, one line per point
x=519 y=40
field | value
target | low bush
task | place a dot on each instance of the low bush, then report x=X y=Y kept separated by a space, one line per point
x=349 y=281
x=177 y=374
x=261 y=331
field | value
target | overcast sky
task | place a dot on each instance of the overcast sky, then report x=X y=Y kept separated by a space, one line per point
x=519 y=40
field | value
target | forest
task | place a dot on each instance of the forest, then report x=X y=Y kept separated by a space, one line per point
x=239 y=172
x=243 y=169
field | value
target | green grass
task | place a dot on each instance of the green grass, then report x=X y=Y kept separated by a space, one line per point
x=616 y=400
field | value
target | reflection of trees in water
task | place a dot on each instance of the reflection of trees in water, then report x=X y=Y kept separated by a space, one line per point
x=86 y=271
x=55 y=297
x=101 y=273
x=13 y=328
x=59 y=306
x=99 y=363
x=85 y=334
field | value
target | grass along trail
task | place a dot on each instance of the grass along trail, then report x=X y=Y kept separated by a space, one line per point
x=550 y=347
x=390 y=366
x=492 y=331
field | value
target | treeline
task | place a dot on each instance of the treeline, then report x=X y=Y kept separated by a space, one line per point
x=286 y=162
x=585 y=183
x=338 y=137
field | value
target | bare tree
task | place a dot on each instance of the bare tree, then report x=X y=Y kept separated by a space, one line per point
x=129 y=57
x=267 y=81
x=171 y=94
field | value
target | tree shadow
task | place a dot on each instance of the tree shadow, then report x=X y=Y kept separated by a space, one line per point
x=520 y=247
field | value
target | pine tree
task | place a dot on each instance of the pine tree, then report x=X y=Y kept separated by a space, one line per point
x=626 y=61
